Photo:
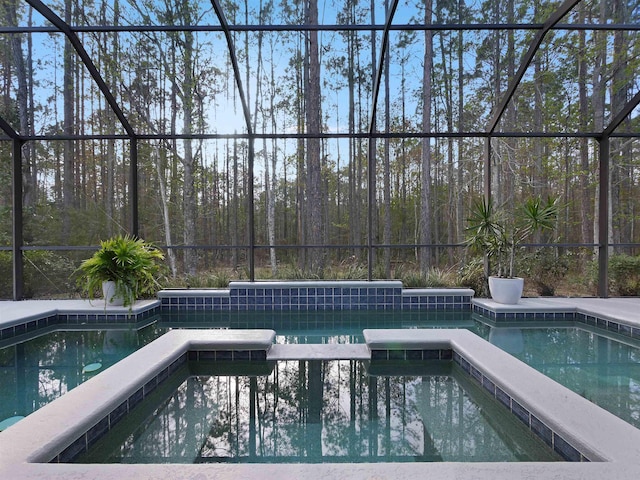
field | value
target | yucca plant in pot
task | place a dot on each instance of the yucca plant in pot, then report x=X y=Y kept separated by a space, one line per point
x=499 y=236
x=124 y=268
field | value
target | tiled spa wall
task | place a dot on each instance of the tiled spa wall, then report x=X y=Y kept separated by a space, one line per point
x=314 y=296
x=607 y=324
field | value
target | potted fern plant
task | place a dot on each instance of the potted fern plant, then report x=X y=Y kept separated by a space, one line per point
x=499 y=237
x=124 y=268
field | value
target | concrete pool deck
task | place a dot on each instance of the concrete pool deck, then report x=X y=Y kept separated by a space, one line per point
x=621 y=450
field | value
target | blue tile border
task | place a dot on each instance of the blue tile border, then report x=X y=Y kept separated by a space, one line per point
x=577 y=317
x=110 y=420
x=316 y=296
x=411 y=354
x=553 y=439
x=78 y=319
x=516 y=316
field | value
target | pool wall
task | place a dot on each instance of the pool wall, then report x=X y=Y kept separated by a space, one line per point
x=551 y=310
x=317 y=295
x=75 y=313
x=398 y=344
x=246 y=296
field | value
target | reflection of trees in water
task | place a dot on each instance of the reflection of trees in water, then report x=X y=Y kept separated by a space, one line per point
x=38 y=371
x=308 y=411
x=601 y=369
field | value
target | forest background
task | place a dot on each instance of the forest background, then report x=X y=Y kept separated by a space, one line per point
x=300 y=154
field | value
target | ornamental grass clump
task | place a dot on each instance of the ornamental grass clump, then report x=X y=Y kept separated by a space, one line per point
x=130 y=262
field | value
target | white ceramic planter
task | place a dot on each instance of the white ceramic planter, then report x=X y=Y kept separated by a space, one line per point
x=109 y=293
x=506 y=290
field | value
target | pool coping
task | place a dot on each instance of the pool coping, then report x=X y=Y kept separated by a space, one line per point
x=40 y=436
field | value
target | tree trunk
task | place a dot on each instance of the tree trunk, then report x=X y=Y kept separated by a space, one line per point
x=620 y=148
x=460 y=214
x=22 y=99
x=189 y=197
x=313 y=117
x=586 y=194
x=160 y=162
x=68 y=197
x=425 y=196
x=386 y=233
x=598 y=94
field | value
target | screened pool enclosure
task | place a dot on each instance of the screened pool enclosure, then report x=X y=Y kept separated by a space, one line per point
x=256 y=139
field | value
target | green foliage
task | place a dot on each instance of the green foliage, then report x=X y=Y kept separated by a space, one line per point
x=544 y=268
x=295 y=273
x=624 y=275
x=413 y=279
x=496 y=234
x=46 y=274
x=215 y=279
x=351 y=271
x=471 y=275
x=432 y=278
x=439 y=278
x=130 y=262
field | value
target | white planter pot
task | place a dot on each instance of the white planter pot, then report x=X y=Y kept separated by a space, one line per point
x=109 y=293
x=506 y=290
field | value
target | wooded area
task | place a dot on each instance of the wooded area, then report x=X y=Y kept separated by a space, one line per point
x=283 y=139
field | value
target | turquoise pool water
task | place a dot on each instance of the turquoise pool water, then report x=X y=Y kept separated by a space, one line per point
x=319 y=411
x=37 y=371
x=599 y=365
x=319 y=327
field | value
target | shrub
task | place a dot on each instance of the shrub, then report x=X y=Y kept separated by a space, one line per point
x=413 y=279
x=471 y=275
x=46 y=274
x=433 y=278
x=624 y=275
x=216 y=279
x=439 y=278
x=544 y=268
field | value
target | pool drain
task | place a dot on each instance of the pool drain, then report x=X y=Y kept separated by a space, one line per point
x=92 y=367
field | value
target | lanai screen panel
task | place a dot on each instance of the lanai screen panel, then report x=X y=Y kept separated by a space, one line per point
x=280 y=156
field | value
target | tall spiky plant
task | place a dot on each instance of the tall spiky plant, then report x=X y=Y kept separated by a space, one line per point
x=499 y=236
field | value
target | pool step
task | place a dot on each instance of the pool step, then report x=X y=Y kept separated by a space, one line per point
x=323 y=351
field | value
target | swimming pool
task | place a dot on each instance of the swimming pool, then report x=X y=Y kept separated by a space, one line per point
x=316 y=412
x=597 y=364
x=40 y=369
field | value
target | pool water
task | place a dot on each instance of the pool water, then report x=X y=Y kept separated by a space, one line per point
x=318 y=326
x=320 y=412
x=601 y=366
x=37 y=371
